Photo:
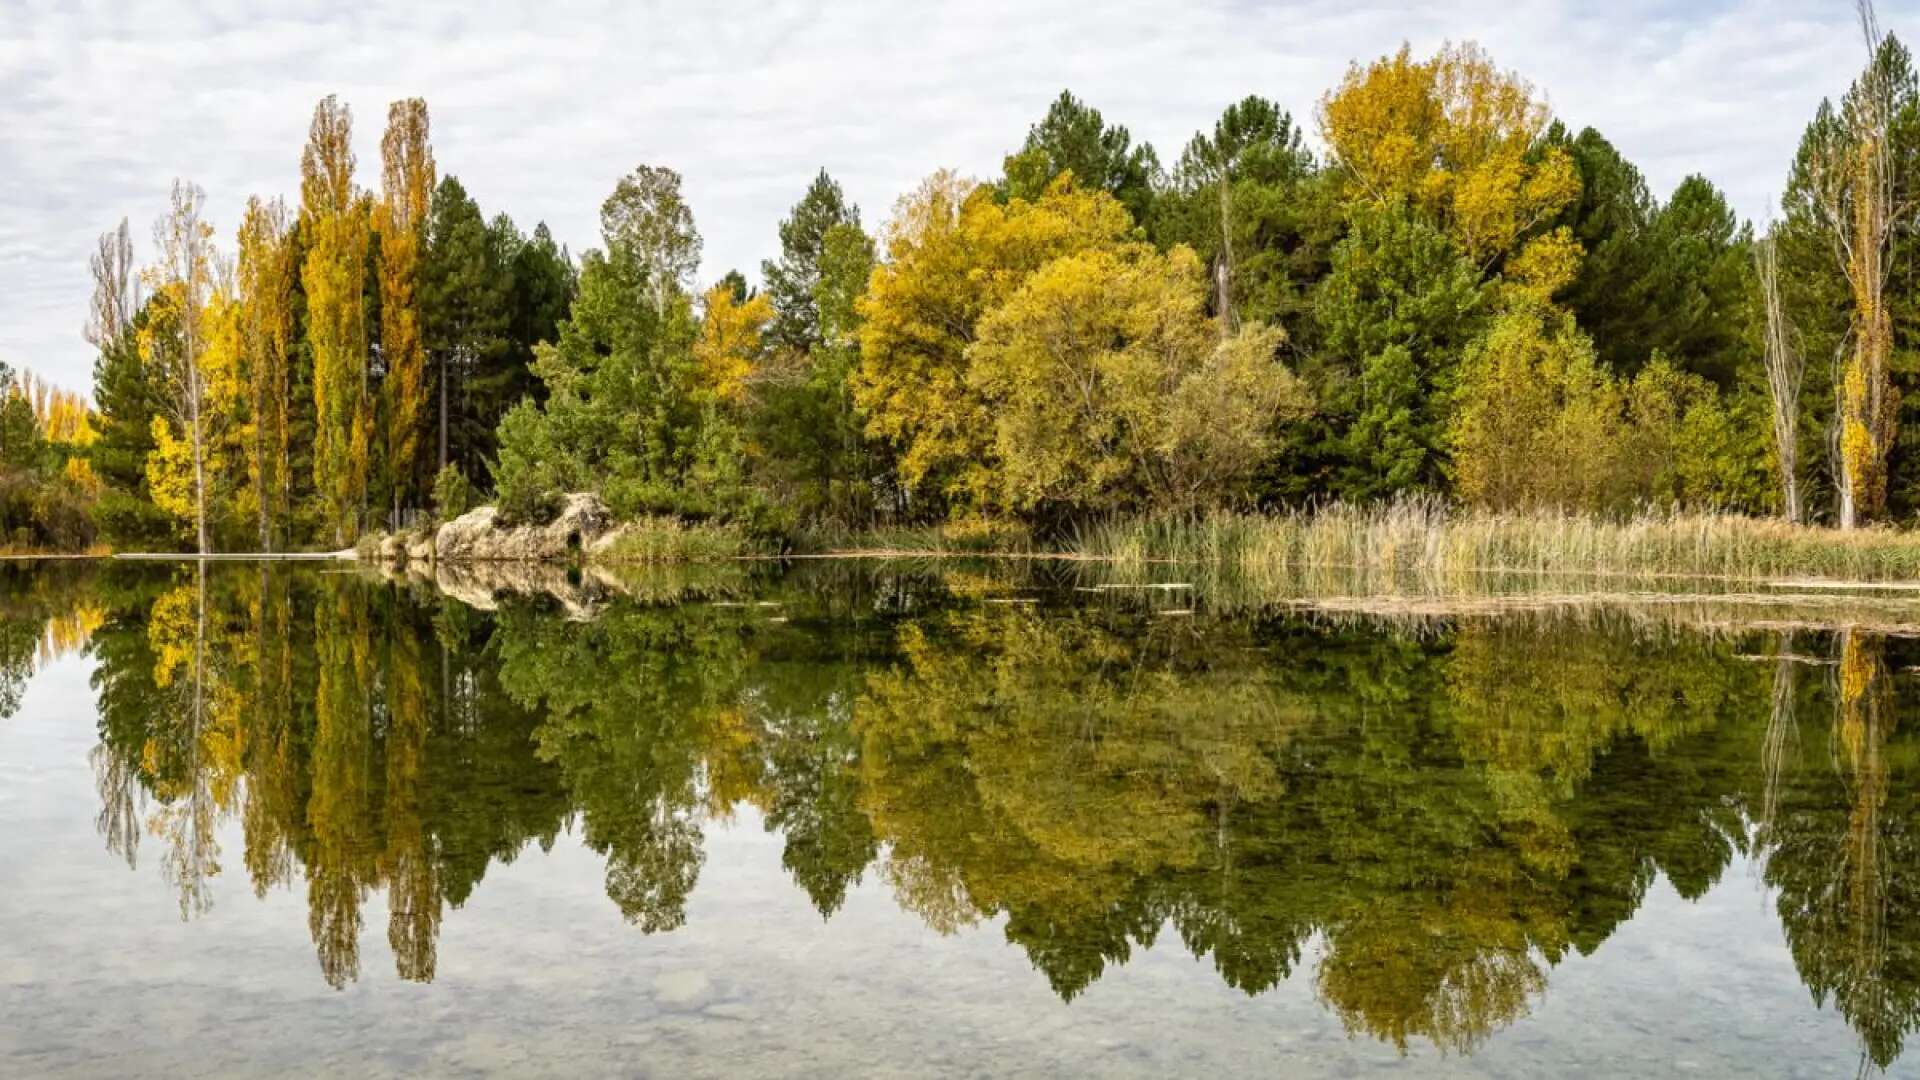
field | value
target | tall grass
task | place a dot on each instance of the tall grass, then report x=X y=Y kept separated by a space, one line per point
x=967 y=536
x=662 y=540
x=1424 y=545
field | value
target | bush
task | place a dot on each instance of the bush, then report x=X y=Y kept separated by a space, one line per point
x=453 y=493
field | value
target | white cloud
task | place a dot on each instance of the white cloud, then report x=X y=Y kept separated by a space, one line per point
x=538 y=108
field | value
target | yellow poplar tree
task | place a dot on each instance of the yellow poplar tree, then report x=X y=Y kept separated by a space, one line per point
x=184 y=472
x=178 y=348
x=335 y=215
x=407 y=179
x=266 y=276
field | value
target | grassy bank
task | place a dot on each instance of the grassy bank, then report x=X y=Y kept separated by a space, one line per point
x=1425 y=545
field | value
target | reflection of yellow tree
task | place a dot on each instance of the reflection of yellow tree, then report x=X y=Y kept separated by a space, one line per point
x=1396 y=986
x=1838 y=845
x=275 y=801
x=414 y=894
x=1537 y=706
x=193 y=762
x=340 y=809
x=1863 y=725
x=1051 y=770
x=321 y=745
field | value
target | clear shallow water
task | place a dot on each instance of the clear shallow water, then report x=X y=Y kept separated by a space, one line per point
x=908 y=821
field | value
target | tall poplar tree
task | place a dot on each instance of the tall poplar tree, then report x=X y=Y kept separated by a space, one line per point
x=175 y=347
x=267 y=279
x=335 y=214
x=407 y=182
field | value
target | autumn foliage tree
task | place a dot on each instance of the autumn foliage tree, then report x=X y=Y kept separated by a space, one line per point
x=267 y=277
x=952 y=255
x=334 y=214
x=1109 y=388
x=1853 y=184
x=188 y=346
x=400 y=220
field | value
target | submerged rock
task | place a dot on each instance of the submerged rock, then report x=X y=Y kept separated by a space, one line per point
x=480 y=536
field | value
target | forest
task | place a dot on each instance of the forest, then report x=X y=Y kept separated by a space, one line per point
x=1451 y=294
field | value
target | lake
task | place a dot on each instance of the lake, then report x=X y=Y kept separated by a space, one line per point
x=943 y=819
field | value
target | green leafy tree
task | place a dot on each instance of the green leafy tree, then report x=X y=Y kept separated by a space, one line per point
x=629 y=411
x=1396 y=315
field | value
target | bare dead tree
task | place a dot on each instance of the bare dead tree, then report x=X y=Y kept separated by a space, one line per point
x=1858 y=199
x=1786 y=368
x=116 y=288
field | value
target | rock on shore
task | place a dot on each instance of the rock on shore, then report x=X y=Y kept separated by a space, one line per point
x=479 y=536
x=583 y=526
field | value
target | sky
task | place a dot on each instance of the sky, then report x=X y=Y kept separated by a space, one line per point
x=540 y=108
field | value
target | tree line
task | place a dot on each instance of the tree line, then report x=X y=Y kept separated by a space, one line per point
x=1457 y=294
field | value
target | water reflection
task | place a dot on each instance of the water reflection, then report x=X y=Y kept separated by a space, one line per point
x=1430 y=818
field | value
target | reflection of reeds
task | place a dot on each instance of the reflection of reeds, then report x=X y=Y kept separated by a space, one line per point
x=1345 y=599
x=1421 y=544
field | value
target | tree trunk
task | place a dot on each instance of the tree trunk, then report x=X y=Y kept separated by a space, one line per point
x=443 y=411
x=1223 y=271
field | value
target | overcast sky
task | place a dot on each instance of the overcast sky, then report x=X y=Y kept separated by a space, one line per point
x=538 y=108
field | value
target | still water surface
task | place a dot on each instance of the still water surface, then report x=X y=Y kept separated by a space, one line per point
x=882 y=820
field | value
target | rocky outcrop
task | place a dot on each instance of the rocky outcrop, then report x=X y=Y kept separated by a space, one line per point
x=479 y=535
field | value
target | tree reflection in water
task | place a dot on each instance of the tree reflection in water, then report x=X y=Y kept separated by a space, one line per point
x=1432 y=819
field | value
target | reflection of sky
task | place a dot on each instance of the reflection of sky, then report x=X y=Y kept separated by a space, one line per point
x=538 y=108
x=538 y=974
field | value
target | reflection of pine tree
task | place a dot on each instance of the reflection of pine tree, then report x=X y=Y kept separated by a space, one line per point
x=813 y=777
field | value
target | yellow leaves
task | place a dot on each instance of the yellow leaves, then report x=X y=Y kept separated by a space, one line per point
x=1454 y=136
x=1538 y=420
x=1547 y=264
x=170 y=471
x=1383 y=122
x=953 y=254
x=400 y=219
x=170 y=465
x=265 y=279
x=63 y=416
x=171 y=626
x=1074 y=362
x=1107 y=382
x=730 y=344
